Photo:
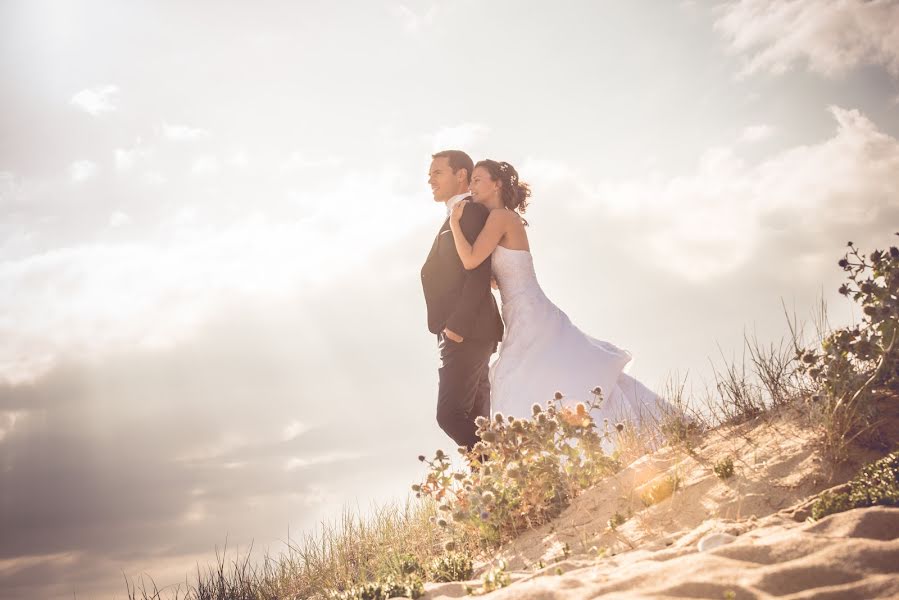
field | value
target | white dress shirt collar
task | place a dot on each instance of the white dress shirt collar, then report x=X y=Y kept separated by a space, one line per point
x=452 y=202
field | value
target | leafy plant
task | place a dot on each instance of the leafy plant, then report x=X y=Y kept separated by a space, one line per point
x=402 y=565
x=452 y=566
x=855 y=365
x=616 y=520
x=495 y=578
x=390 y=587
x=659 y=489
x=724 y=468
x=877 y=483
x=524 y=471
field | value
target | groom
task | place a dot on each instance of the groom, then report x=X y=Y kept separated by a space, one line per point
x=461 y=308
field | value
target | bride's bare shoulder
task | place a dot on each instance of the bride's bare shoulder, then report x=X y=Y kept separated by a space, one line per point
x=503 y=213
x=502 y=218
x=510 y=217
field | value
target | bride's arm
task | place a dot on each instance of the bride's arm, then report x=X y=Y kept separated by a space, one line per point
x=486 y=242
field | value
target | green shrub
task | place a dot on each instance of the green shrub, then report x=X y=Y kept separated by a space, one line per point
x=724 y=468
x=855 y=365
x=660 y=489
x=828 y=504
x=877 y=483
x=524 y=472
x=616 y=520
x=496 y=577
x=452 y=566
x=402 y=565
x=390 y=587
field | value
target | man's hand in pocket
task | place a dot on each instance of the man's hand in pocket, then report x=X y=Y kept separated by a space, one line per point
x=452 y=335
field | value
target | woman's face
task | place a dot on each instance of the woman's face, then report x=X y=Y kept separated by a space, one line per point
x=482 y=187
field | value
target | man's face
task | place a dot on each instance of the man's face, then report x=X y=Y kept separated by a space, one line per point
x=444 y=183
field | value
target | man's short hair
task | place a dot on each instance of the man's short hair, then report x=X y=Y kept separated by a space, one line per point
x=457 y=160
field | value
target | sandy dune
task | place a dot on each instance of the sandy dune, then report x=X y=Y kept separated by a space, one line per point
x=752 y=528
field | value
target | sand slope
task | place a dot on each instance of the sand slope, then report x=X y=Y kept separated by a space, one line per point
x=752 y=528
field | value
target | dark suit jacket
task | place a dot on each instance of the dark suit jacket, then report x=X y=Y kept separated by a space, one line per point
x=457 y=299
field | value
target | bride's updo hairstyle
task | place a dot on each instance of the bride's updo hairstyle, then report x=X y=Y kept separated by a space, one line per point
x=513 y=192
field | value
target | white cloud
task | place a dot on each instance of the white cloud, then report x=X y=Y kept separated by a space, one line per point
x=97 y=100
x=831 y=37
x=412 y=21
x=460 y=137
x=293 y=430
x=713 y=221
x=757 y=133
x=239 y=159
x=82 y=170
x=545 y=171
x=185 y=215
x=298 y=160
x=122 y=293
x=154 y=178
x=183 y=133
x=226 y=442
x=119 y=219
x=7 y=184
x=332 y=457
x=205 y=164
x=195 y=512
x=8 y=421
x=126 y=158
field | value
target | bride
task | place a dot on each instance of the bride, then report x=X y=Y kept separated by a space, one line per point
x=542 y=351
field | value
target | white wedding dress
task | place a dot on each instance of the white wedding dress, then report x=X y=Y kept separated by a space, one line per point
x=543 y=352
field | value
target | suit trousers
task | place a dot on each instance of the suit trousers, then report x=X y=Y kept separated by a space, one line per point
x=464 y=390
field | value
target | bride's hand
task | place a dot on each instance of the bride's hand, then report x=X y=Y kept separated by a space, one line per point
x=457 y=211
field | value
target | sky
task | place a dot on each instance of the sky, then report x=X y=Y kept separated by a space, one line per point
x=213 y=216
